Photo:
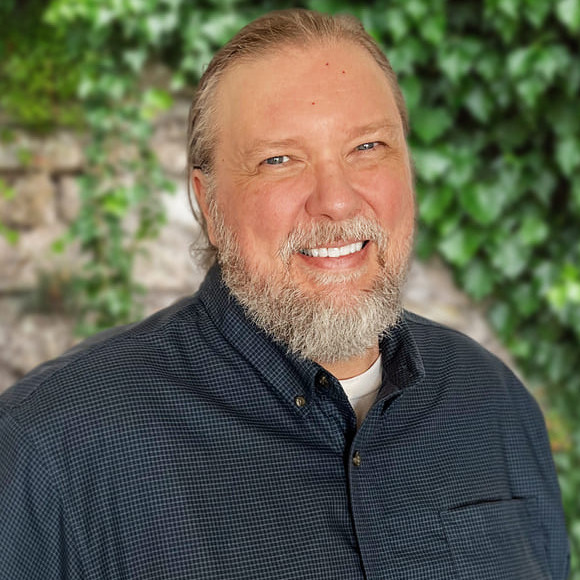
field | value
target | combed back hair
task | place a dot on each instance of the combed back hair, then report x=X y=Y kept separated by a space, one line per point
x=283 y=28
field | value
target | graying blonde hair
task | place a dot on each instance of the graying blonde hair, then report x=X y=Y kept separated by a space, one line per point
x=293 y=27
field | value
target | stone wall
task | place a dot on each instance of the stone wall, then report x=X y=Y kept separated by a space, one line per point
x=42 y=172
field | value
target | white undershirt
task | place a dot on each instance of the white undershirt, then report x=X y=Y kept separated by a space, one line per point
x=362 y=390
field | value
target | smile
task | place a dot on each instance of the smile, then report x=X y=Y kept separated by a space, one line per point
x=333 y=252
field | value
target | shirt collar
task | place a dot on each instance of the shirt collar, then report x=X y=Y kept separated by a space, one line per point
x=293 y=376
x=402 y=362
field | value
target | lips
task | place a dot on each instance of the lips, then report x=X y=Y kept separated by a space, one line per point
x=333 y=251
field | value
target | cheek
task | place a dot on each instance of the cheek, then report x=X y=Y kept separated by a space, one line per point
x=264 y=216
x=393 y=201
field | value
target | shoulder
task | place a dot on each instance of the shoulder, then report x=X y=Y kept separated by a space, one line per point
x=460 y=364
x=117 y=363
x=441 y=346
x=471 y=383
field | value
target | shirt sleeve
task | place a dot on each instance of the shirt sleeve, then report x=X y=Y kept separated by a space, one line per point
x=32 y=531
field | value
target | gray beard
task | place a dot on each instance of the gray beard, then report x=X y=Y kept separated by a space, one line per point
x=324 y=327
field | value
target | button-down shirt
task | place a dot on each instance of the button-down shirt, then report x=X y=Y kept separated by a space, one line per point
x=192 y=446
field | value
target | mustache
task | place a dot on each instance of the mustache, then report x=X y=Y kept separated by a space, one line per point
x=327 y=233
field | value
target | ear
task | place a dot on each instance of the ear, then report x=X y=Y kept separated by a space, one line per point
x=199 y=183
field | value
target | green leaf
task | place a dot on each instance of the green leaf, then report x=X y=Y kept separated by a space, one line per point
x=155 y=101
x=536 y=11
x=135 y=59
x=530 y=89
x=567 y=290
x=430 y=164
x=568 y=155
x=449 y=223
x=550 y=61
x=116 y=204
x=519 y=62
x=406 y=56
x=568 y=12
x=502 y=318
x=563 y=117
x=397 y=24
x=412 y=88
x=526 y=299
x=460 y=246
x=159 y=25
x=462 y=172
x=10 y=235
x=507 y=27
x=479 y=103
x=418 y=10
x=512 y=258
x=455 y=64
x=433 y=28
x=480 y=204
x=544 y=185
x=477 y=279
x=430 y=123
x=488 y=65
x=6 y=192
x=223 y=25
x=545 y=276
x=424 y=244
x=534 y=229
x=510 y=8
x=434 y=203
x=508 y=189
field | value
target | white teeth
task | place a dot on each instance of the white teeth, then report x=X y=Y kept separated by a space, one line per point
x=333 y=252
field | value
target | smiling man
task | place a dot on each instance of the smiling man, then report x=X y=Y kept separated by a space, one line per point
x=309 y=198
x=290 y=420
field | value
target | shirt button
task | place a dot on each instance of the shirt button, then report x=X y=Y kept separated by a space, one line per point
x=300 y=401
x=356 y=459
x=323 y=381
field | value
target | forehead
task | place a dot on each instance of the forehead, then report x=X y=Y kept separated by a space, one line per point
x=318 y=79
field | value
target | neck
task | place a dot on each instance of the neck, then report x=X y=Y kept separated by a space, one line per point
x=352 y=367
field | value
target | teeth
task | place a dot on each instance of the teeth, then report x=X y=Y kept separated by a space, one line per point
x=333 y=252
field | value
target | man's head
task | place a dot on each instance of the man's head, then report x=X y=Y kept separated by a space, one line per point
x=301 y=171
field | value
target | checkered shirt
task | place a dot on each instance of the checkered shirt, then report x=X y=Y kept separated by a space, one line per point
x=192 y=446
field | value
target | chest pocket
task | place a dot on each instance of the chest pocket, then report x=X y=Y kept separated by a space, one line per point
x=497 y=540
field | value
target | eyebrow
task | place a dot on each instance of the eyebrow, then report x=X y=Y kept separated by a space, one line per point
x=261 y=145
x=383 y=124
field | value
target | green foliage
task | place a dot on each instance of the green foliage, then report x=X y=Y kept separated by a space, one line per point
x=7 y=193
x=492 y=88
x=38 y=75
x=118 y=113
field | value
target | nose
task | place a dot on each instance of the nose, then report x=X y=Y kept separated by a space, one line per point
x=332 y=196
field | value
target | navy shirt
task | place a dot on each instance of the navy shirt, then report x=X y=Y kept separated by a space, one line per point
x=192 y=446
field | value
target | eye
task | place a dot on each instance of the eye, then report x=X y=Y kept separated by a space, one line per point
x=368 y=146
x=276 y=160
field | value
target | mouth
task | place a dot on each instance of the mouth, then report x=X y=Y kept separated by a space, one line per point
x=334 y=251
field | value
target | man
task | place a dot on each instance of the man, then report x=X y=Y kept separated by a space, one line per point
x=289 y=420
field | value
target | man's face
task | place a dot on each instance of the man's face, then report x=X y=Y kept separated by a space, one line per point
x=312 y=175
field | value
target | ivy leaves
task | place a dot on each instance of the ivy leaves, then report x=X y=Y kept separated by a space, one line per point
x=493 y=101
